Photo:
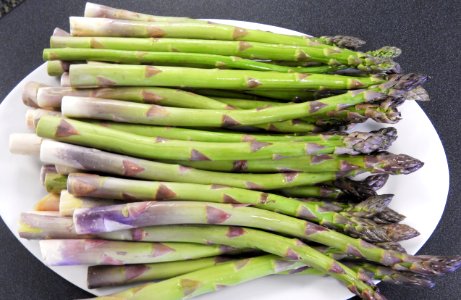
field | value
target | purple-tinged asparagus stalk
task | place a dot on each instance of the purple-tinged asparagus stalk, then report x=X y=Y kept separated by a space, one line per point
x=81 y=158
x=102 y=252
x=68 y=203
x=29 y=94
x=34 y=115
x=100 y=137
x=328 y=214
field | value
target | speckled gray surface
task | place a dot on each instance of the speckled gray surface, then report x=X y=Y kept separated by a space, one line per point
x=427 y=31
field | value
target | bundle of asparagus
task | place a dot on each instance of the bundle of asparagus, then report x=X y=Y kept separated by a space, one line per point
x=226 y=141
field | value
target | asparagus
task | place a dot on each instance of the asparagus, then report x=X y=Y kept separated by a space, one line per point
x=379 y=163
x=330 y=215
x=141 y=214
x=244 y=49
x=47 y=225
x=94 y=10
x=95 y=160
x=57 y=67
x=34 y=226
x=226 y=274
x=85 y=134
x=29 y=94
x=319 y=191
x=102 y=252
x=34 y=115
x=65 y=79
x=245 y=104
x=52 y=96
x=50 y=202
x=68 y=203
x=55 y=183
x=187 y=134
x=89 y=75
x=171 y=59
x=103 y=276
x=295 y=95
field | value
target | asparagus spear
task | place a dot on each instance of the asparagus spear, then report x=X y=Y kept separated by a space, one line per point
x=52 y=96
x=226 y=274
x=317 y=191
x=102 y=252
x=50 y=202
x=187 y=134
x=55 y=183
x=245 y=104
x=141 y=214
x=100 y=137
x=34 y=226
x=386 y=163
x=330 y=215
x=95 y=160
x=295 y=95
x=103 y=276
x=34 y=115
x=29 y=94
x=172 y=59
x=45 y=169
x=57 y=67
x=94 y=10
x=89 y=75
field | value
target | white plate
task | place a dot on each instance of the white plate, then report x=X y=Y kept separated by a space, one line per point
x=420 y=196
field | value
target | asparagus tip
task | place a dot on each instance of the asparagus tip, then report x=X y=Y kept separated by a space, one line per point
x=368 y=142
x=400 y=232
x=406 y=82
x=374 y=204
x=386 y=52
x=417 y=94
x=399 y=163
x=345 y=41
x=376 y=181
x=387 y=216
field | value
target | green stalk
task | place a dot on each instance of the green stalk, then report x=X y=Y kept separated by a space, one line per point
x=296 y=95
x=57 y=67
x=91 y=135
x=86 y=159
x=322 y=192
x=55 y=183
x=208 y=280
x=94 y=10
x=105 y=219
x=104 y=276
x=385 y=163
x=97 y=75
x=173 y=59
x=247 y=104
x=102 y=252
x=52 y=96
x=244 y=49
x=327 y=214
x=187 y=134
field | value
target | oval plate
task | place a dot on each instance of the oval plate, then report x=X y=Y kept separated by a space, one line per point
x=420 y=196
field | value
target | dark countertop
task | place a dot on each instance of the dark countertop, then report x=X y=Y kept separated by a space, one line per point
x=427 y=32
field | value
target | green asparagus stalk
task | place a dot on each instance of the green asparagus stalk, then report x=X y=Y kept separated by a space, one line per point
x=77 y=132
x=172 y=59
x=319 y=191
x=37 y=226
x=295 y=95
x=102 y=252
x=89 y=75
x=52 y=96
x=86 y=159
x=227 y=274
x=55 y=183
x=57 y=67
x=234 y=236
x=244 y=49
x=80 y=26
x=245 y=104
x=327 y=214
x=34 y=115
x=94 y=10
x=226 y=94
x=187 y=134
x=281 y=246
x=103 y=276
x=386 y=163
